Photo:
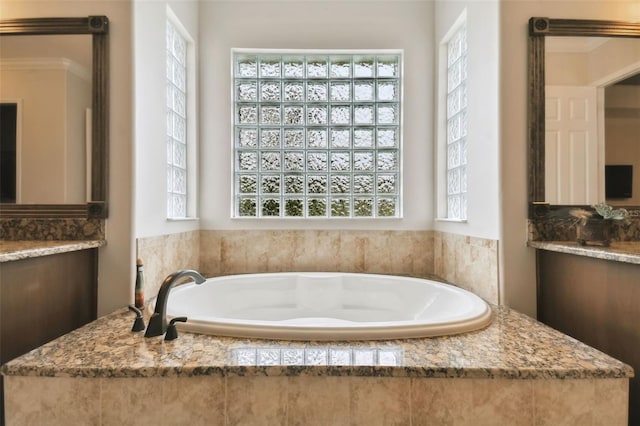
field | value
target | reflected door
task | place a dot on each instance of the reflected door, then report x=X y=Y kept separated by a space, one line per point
x=573 y=148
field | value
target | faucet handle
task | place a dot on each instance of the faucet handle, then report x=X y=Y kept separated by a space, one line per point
x=172 y=332
x=138 y=323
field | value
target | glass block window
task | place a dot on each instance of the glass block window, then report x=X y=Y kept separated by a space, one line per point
x=456 y=127
x=317 y=134
x=176 y=123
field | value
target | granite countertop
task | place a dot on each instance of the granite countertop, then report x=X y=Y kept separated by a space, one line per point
x=513 y=346
x=619 y=251
x=17 y=250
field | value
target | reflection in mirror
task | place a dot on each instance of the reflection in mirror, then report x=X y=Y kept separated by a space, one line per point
x=591 y=109
x=622 y=136
x=55 y=60
x=45 y=99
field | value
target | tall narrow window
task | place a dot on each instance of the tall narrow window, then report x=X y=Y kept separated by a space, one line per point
x=317 y=134
x=456 y=125
x=177 y=173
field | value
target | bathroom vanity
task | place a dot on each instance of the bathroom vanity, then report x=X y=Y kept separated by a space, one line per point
x=588 y=292
x=47 y=288
x=593 y=294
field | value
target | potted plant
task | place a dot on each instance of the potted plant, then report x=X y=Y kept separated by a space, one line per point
x=594 y=227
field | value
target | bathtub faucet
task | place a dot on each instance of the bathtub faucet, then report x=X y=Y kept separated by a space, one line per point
x=158 y=322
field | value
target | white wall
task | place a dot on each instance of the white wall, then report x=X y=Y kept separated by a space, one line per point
x=517 y=262
x=483 y=171
x=52 y=95
x=315 y=25
x=150 y=188
x=612 y=60
x=116 y=268
x=615 y=59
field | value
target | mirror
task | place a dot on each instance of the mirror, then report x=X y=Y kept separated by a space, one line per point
x=54 y=111
x=45 y=100
x=581 y=68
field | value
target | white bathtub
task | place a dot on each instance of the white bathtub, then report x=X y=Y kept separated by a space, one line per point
x=326 y=306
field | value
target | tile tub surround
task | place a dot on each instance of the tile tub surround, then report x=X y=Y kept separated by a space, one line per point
x=255 y=400
x=469 y=262
x=166 y=254
x=18 y=250
x=516 y=371
x=371 y=251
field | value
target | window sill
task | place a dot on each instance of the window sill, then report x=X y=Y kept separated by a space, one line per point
x=445 y=219
x=314 y=218
x=182 y=219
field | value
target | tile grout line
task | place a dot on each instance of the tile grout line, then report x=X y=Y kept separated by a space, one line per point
x=100 y=405
x=225 y=406
x=410 y=401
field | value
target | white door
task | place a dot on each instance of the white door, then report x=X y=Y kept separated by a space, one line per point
x=572 y=146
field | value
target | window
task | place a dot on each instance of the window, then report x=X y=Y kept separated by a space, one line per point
x=177 y=125
x=456 y=124
x=317 y=134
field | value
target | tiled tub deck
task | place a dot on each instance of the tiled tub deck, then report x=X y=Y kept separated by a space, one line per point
x=514 y=372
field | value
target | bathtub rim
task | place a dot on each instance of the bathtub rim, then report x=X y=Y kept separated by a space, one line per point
x=273 y=330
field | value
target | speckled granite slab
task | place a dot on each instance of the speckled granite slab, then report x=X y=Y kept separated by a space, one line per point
x=514 y=346
x=69 y=229
x=628 y=252
x=17 y=250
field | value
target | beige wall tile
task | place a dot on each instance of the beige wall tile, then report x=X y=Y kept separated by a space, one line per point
x=193 y=401
x=386 y=252
x=438 y=257
x=165 y=254
x=399 y=252
x=380 y=401
x=257 y=401
x=469 y=262
x=440 y=401
x=471 y=402
x=131 y=401
x=611 y=405
x=564 y=402
x=316 y=250
x=601 y=402
x=314 y=401
x=210 y=253
x=502 y=402
x=52 y=401
x=318 y=401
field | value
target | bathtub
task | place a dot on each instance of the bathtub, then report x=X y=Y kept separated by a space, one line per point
x=326 y=306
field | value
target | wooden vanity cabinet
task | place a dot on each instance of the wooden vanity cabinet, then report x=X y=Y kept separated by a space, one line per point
x=597 y=302
x=42 y=298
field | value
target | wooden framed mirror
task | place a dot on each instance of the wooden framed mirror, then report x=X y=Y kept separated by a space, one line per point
x=91 y=178
x=542 y=32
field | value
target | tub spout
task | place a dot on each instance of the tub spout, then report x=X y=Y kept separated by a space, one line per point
x=158 y=322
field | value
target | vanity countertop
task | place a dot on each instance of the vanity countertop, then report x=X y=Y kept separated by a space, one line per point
x=514 y=346
x=619 y=251
x=17 y=250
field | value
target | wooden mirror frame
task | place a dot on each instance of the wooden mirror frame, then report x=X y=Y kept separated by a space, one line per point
x=98 y=28
x=539 y=29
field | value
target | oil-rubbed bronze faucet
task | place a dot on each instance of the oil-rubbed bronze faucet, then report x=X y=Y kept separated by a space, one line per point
x=158 y=322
